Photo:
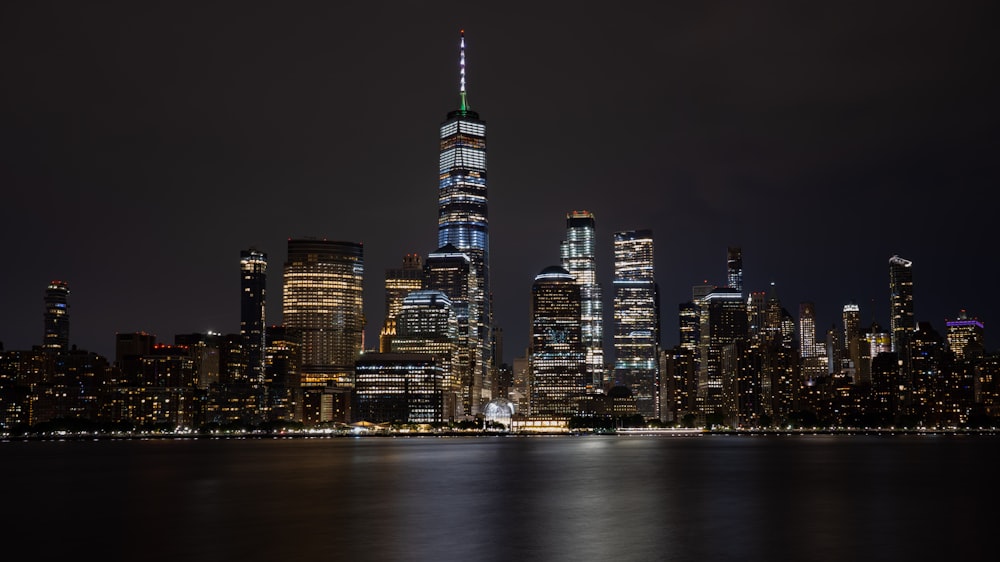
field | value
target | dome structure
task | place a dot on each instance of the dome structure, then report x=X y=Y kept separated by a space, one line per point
x=498 y=410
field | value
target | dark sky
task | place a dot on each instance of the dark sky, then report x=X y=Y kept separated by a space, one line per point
x=145 y=144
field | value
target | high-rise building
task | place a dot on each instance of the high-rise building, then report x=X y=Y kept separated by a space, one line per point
x=399 y=282
x=901 y=302
x=578 y=254
x=450 y=271
x=965 y=336
x=56 y=338
x=853 y=336
x=400 y=387
x=557 y=354
x=462 y=215
x=807 y=329
x=723 y=321
x=734 y=268
x=323 y=298
x=427 y=324
x=637 y=319
x=253 y=300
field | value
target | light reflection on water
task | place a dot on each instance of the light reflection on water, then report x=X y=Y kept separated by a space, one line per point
x=506 y=498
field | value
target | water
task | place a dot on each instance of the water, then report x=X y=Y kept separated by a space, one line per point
x=505 y=498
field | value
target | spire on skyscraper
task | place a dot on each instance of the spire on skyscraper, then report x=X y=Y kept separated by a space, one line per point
x=464 y=102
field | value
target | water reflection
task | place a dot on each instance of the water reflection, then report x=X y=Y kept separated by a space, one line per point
x=505 y=498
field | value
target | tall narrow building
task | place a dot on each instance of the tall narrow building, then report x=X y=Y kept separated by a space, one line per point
x=637 y=319
x=451 y=272
x=578 y=255
x=56 y=337
x=399 y=282
x=253 y=292
x=462 y=214
x=323 y=300
x=901 y=321
x=556 y=354
x=734 y=268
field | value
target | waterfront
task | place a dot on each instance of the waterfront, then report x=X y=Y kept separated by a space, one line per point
x=697 y=497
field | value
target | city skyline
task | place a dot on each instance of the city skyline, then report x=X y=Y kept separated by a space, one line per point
x=808 y=161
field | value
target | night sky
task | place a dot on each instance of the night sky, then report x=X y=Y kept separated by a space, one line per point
x=145 y=144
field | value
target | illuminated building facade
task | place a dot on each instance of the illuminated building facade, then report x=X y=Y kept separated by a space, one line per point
x=901 y=302
x=557 y=355
x=253 y=300
x=427 y=324
x=723 y=321
x=463 y=222
x=56 y=337
x=637 y=319
x=807 y=329
x=578 y=254
x=853 y=336
x=399 y=387
x=399 y=282
x=451 y=272
x=282 y=361
x=322 y=298
x=734 y=268
x=965 y=336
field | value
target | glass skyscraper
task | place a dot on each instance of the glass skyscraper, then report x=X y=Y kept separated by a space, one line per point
x=578 y=256
x=637 y=319
x=253 y=291
x=557 y=356
x=462 y=216
x=901 y=321
x=56 y=317
x=323 y=300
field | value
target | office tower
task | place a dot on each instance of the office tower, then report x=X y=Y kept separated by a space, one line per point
x=965 y=336
x=282 y=362
x=462 y=217
x=578 y=254
x=204 y=351
x=723 y=321
x=56 y=337
x=757 y=316
x=901 y=302
x=427 y=324
x=688 y=320
x=557 y=355
x=807 y=329
x=399 y=282
x=734 y=268
x=451 y=272
x=637 y=319
x=399 y=387
x=853 y=337
x=253 y=295
x=323 y=300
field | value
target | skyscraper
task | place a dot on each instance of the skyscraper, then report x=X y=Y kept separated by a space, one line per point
x=56 y=337
x=451 y=272
x=253 y=294
x=637 y=319
x=399 y=282
x=723 y=322
x=462 y=213
x=734 y=268
x=901 y=322
x=965 y=336
x=557 y=354
x=807 y=329
x=323 y=300
x=426 y=324
x=578 y=256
